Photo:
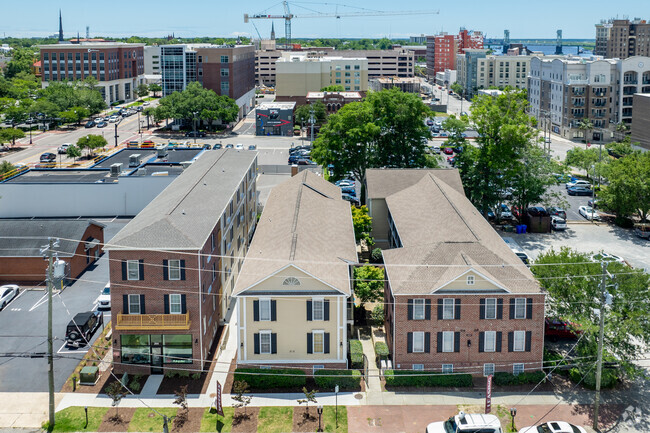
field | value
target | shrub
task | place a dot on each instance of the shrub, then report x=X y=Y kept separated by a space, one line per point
x=376 y=256
x=135 y=386
x=171 y=373
x=260 y=378
x=356 y=353
x=183 y=373
x=348 y=380
x=609 y=378
x=377 y=315
x=381 y=349
x=425 y=379
x=196 y=376
x=502 y=378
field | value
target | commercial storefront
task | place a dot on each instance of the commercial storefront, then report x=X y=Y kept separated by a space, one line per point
x=275 y=118
x=156 y=350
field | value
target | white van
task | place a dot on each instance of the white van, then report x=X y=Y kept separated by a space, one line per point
x=467 y=423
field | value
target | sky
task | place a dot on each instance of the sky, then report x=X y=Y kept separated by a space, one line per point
x=189 y=18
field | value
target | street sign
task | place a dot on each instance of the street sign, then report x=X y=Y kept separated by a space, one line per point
x=218 y=403
x=488 y=395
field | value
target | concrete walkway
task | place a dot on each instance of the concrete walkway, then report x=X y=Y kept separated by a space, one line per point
x=151 y=386
x=373 y=384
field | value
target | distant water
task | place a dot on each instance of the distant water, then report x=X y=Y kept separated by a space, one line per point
x=548 y=50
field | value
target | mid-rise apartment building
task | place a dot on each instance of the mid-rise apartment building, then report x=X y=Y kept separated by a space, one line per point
x=442 y=49
x=117 y=67
x=173 y=267
x=502 y=71
x=640 y=128
x=228 y=70
x=467 y=70
x=152 y=60
x=620 y=39
x=603 y=31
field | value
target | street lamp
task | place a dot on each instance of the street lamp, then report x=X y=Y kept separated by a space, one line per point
x=194 y=124
x=86 y=410
x=513 y=413
x=319 y=409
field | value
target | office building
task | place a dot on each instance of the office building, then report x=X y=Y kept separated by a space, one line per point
x=152 y=60
x=418 y=40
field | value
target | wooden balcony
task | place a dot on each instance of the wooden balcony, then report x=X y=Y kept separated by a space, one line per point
x=152 y=322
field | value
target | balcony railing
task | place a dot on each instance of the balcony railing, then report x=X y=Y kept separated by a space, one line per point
x=152 y=322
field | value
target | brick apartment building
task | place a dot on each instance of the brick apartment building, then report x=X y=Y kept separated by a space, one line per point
x=620 y=39
x=227 y=69
x=117 y=67
x=443 y=48
x=174 y=266
x=457 y=299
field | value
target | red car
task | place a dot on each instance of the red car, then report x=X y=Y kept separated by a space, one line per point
x=556 y=328
x=448 y=151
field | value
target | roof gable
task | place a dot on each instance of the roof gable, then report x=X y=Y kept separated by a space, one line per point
x=289 y=279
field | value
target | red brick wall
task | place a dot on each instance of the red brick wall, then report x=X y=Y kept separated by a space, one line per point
x=469 y=327
x=78 y=263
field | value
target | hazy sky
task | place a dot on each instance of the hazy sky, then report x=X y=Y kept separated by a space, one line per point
x=185 y=18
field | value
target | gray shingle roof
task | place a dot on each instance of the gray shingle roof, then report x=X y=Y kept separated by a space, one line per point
x=31 y=236
x=383 y=182
x=184 y=214
x=304 y=223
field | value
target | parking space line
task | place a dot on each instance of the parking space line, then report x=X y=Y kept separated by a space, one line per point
x=69 y=350
x=39 y=302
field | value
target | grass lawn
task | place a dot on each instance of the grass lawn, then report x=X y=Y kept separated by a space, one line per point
x=144 y=419
x=73 y=419
x=209 y=420
x=275 y=419
x=329 y=419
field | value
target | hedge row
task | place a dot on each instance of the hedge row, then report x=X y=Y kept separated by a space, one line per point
x=502 y=378
x=260 y=378
x=426 y=378
x=347 y=380
x=356 y=353
x=381 y=349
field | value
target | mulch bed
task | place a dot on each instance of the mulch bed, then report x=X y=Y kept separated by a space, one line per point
x=305 y=421
x=109 y=425
x=170 y=385
x=241 y=424
x=311 y=384
x=110 y=379
x=193 y=423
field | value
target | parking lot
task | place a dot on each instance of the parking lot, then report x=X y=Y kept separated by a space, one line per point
x=23 y=327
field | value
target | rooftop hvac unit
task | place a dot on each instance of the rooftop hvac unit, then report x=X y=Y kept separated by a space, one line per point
x=134 y=160
x=186 y=164
x=162 y=151
x=116 y=169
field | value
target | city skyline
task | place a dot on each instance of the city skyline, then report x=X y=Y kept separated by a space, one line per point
x=197 y=19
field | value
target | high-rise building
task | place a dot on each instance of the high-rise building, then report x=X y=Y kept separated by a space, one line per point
x=620 y=39
x=442 y=49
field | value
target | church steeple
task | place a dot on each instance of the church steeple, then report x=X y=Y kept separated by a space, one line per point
x=60 y=27
x=272 y=31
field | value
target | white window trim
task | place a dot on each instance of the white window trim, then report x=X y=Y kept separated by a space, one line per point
x=419 y=304
x=417 y=367
x=128 y=270
x=313 y=342
x=489 y=336
x=180 y=306
x=470 y=280
x=520 y=300
x=515 y=370
x=266 y=301
x=176 y=267
x=313 y=309
x=447 y=368
x=138 y=302
x=485 y=366
x=487 y=316
x=416 y=335
x=265 y=333
x=445 y=335
x=523 y=341
x=445 y=303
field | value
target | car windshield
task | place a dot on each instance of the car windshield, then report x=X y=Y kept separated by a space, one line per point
x=450 y=425
x=106 y=291
x=544 y=428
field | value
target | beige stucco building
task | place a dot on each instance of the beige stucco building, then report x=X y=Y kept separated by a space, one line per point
x=503 y=71
x=294 y=286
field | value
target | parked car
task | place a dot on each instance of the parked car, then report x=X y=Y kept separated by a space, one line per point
x=516 y=212
x=467 y=423
x=349 y=190
x=217 y=146
x=556 y=328
x=523 y=257
x=642 y=231
x=229 y=146
x=82 y=327
x=563 y=178
x=344 y=182
x=558 y=223
x=580 y=190
x=101 y=124
x=139 y=108
x=606 y=257
x=448 y=151
x=63 y=149
x=239 y=146
x=104 y=300
x=7 y=294
x=593 y=202
x=195 y=134
x=504 y=211
x=207 y=146
x=352 y=199
x=305 y=161
x=252 y=147
x=556 y=211
x=577 y=182
x=113 y=119
x=429 y=122
x=435 y=149
x=145 y=103
x=90 y=124
x=537 y=211
x=554 y=427
x=589 y=213
x=506 y=193
x=48 y=157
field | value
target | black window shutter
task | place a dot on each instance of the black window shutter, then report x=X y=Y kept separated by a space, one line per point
x=142 y=304
x=481 y=342
x=529 y=308
x=427 y=342
x=165 y=269
x=309 y=313
x=529 y=340
x=512 y=308
x=125 y=302
x=256 y=343
x=409 y=342
x=256 y=311
x=427 y=309
x=499 y=336
x=141 y=269
x=457 y=313
x=410 y=309
x=326 y=342
x=481 y=314
x=499 y=308
x=456 y=341
x=439 y=342
x=123 y=269
x=326 y=309
x=183 y=304
x=274 y=343
x=439 y=309
x=274 y=310
x=182 y=269
x=309 y=348
x=166 y=301
x=511 y=341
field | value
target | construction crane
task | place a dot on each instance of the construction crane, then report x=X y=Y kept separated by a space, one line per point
x=288 y=16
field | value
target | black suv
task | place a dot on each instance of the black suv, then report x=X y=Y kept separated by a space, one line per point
x=81 y=329
x=48 y=157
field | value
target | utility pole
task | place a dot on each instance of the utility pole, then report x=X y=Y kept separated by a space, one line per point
x=312 y=120
x=49 y=250
x=606 y=300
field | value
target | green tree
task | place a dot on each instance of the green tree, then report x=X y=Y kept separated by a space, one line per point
x=333 y=88
x=573 y=285
x=80 y=113
x=205 y=103
x=628 y=189
x=455 y=128
x=583 y=159
x=21 y=61
x=303 y=113
x=6 y=167
x=240 y=395
x=10 y=135
x=16 y=113
x=586 y=126
x=619 y=149
x=457 y=88
x=155 y=88
x=116 y=392
x=368 y=283
x=142 y=90
x=310 y=397
x=362 y=223
x=91 y=142
x=73 y=152
x=67 y=116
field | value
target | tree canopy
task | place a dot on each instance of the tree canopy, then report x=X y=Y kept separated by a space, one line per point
x=91 y=142
x=368 y=283
x=303 y=113
x=196 y=102
x=627 y=191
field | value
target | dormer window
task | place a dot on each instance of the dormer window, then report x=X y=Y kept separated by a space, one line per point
x=291 y=281
x=470 y=280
